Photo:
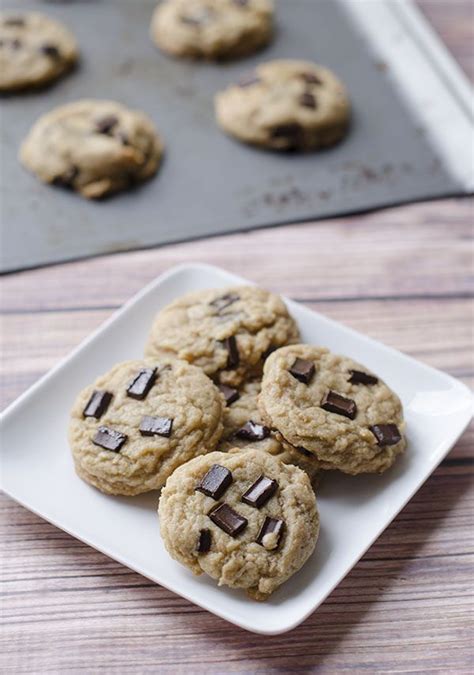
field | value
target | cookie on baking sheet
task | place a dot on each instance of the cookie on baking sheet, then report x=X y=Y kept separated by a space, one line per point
x=34 y=50
x=94 y=147
x=244 y=428
x=245 y=518
x=333 y=407
x=138 y=422
x=228 y=332
x=212 y=29
x=285 y=105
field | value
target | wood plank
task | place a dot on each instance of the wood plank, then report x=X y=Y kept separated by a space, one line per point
x=422 y=248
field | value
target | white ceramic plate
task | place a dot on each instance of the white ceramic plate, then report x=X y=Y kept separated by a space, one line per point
x=37 y=469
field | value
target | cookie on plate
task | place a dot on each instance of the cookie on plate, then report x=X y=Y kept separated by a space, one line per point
x=228 y=332
x=34 y=50
x=285 y=105
x=244 y=428
x=244 y=518
x=94 y=147
x=333 y=407
x=212 y=29
x=138 y=422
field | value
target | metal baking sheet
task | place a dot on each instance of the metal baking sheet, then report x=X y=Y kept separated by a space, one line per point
x=210 y=184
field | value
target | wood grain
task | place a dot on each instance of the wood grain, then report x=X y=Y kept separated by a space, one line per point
x=404 y=276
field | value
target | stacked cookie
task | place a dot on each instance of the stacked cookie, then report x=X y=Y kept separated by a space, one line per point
x=235 y=419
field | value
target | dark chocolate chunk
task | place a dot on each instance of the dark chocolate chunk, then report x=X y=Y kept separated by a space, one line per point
x=231 y=395
x=215 y=482
x=16 y=43
x=110 y=439
x=124 y=139
x=271 y=526
x=248 y=79
x=224 y=301
x=204 y=541
x=311 y=78
x=359 y=377
x=228 y=520
x=303 y=370
x=14 y=21
x=305 y=452
x=50 y=50
x=156 y=426
x=105 y=125
x=242 y=3
x=292 y=133
x=268 y=351
x=260 y=492
x=340 y=405
x=97 y=404
x=253 y=432
x=233 y=358
x=386 y=434
x=142 y=383
x=307 y=100
x=66 y=179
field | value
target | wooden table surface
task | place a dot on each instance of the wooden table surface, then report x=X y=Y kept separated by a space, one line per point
x=403 y=276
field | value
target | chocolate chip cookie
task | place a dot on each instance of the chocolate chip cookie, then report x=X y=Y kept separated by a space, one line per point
x=285 y=105
x=34 y=50
x=140 y=421
x=228 y=332
x=332 y=407
x=244 y=428
x=93 y=147
x=244 y=518
x=212 y=29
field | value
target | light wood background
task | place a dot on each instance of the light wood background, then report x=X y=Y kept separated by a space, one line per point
x=403 y=276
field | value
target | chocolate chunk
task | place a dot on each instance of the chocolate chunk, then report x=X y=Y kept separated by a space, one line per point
x=105 y=124
x=311 y=78
x=97 y=404
x=110 y=439
x=307 y=100
x=14 y=21
x=253 y=432
x=242 y=3
x=386 y=434
x=303 y=370
x=142 y=383
x=124 y=139
x=231 y=395
x=260 y=492
x=224 y=301
x=156 y=426
x=271 y=526
x=204 y=541
x=215 y=482
x=228 y=520
x=340 y=405
x=268 y=351
x=50 y=50
x=359 y=377
x=292 y=133
x=248 y=79
x=303 y=451
x=233 y=359
x=66 y=179
x=16 y=43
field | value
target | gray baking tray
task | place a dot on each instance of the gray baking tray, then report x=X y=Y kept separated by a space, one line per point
x=210 y=184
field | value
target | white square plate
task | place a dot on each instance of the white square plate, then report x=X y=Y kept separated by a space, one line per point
x=37 y=469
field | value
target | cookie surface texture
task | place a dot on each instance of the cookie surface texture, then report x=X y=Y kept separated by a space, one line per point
x=254 y=534
x=333 y=407
x=138 y=422
x=93 y=147
x=285 y=105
